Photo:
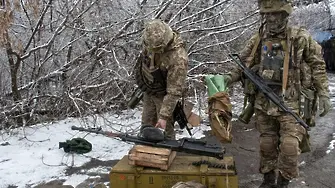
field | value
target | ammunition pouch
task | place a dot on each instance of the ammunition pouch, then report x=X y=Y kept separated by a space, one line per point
x=308 y=106
x=152 y=82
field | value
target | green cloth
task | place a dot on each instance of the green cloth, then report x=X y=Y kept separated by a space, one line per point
x=215 y=83
x=76 y=145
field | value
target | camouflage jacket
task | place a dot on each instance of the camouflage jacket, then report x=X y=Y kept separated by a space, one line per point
x=174 y=62
x=308 y=66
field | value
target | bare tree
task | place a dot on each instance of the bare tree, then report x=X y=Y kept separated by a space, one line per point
x=75 y=58
x=316 y=14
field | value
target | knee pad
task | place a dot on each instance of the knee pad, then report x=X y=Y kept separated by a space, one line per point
x=268 y=143
x=289 y=146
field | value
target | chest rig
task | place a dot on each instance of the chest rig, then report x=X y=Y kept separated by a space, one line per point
x=150 y=77
x=275 y=63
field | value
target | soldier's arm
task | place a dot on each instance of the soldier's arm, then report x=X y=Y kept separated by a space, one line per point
x=176 y=77
x=313 y=57
x=236 y=73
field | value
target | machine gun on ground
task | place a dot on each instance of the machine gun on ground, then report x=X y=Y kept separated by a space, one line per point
x=187 y=145
x=266 y=90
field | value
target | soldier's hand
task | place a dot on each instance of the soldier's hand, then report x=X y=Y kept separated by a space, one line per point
x=161 y=123
x=324 y=105
x=227 y=79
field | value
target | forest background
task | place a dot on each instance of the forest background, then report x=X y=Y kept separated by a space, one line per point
x=75 y=58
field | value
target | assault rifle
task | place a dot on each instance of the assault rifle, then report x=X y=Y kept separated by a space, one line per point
x=187 y=145
x=267 y=91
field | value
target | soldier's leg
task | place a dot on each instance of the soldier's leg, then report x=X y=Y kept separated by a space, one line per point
x=291 y=133
x=169 y=130
x=268 y=142
x=149 y=113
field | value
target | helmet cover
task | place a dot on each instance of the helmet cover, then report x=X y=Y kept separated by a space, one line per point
x=268 y=6
x=156 y=35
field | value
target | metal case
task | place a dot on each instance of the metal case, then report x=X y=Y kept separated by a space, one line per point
x=209 y=171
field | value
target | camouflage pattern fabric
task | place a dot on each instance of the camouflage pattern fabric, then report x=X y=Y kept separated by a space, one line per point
x=171 y=59
x=279 y=132
x=150 y=114
x=270 y=6
x=281 y=152
x=156 y=35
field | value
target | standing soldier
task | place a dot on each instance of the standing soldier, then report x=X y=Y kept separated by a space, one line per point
x=290 y=62
x=161 y=75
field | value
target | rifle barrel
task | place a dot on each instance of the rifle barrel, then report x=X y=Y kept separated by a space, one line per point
x=187 y=145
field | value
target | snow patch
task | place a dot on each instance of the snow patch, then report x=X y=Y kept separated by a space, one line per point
x=331 y=145
x=75 y=180
x=33 y=155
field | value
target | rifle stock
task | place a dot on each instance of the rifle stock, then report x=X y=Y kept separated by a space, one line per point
x=187 y=145
x=267 y=91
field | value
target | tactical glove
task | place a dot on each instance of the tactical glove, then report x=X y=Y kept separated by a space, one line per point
x=227 y=79
x=324 y=105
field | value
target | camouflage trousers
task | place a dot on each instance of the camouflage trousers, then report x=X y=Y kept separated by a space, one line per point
x=151 y=107
x=279 y=143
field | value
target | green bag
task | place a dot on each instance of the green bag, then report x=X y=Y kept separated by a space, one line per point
x=215 y=84
x=76 y=145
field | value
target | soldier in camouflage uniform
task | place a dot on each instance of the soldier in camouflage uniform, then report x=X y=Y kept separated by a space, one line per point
x=162 y=70
x=290 y=62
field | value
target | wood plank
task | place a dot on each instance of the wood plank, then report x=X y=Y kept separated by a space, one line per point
x=148 y=156
x=149 y=149
x=149 y=160
x=171 y=158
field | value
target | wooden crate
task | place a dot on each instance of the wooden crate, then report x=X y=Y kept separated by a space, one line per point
x=148 y=156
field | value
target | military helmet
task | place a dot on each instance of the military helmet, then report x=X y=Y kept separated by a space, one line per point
x=156 y=35
x=267 y=6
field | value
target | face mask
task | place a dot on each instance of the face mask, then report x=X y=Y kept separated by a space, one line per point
x=276 y=22
x=154 y=49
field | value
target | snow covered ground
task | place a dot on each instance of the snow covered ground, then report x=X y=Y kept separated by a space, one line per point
x=29 y=156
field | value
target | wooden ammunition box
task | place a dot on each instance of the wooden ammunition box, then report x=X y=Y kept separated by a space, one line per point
x=208 y=171
x=147 y=156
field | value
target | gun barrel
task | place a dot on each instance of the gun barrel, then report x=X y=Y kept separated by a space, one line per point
x=187 y=145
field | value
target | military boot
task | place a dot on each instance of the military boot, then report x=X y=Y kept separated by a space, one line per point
x=282 y=182
x=269 y=180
